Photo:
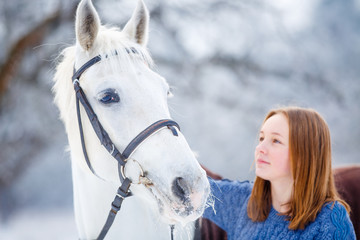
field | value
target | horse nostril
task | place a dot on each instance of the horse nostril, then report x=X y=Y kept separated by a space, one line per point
x=180 y=188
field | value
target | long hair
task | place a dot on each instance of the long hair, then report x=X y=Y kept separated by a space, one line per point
x=310 y=159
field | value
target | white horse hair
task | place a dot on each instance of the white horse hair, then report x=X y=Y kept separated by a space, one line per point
x=127 y=96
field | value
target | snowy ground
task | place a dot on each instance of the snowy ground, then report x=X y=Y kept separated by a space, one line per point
x=35 y=224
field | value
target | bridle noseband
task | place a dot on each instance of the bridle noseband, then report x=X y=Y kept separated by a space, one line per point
x=121 y=158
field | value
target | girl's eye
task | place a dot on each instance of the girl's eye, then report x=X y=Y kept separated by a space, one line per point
x=276 y=141
x=109 y=96
x=261 y=139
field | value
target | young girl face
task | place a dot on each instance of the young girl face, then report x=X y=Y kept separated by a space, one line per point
x=272 y=153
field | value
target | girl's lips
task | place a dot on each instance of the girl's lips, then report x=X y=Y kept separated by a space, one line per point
x=261 y=161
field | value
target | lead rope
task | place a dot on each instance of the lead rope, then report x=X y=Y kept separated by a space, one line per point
x=122 y=193
x=172 y=231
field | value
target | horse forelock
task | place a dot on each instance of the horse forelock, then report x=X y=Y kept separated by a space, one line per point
x=111 y=41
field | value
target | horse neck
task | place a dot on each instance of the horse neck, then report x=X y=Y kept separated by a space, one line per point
x=135 y=220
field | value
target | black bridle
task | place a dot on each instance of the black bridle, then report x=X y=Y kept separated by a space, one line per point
x=123 y=191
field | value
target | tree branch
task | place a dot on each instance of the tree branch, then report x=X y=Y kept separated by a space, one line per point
x=16 y=53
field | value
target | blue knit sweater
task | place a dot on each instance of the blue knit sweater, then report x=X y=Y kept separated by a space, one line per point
x=230 y=213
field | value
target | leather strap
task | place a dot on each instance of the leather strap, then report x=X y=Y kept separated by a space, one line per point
x=148 y=132
x=122 y=193
x=82 y=137
x=98 y=58
x=98 y=128
x=82 y=69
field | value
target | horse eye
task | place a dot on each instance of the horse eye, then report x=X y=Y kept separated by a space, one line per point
x=109 y=96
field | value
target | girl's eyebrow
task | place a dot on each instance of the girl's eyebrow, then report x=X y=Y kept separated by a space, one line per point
x=276 y=133
x=273 y=133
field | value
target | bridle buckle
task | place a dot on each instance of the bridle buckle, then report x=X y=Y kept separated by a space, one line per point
x=76 y=81
x=141 y=171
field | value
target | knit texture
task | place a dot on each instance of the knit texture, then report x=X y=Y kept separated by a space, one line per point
x=229 y=212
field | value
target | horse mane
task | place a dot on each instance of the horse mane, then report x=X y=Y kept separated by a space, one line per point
x=111 y=44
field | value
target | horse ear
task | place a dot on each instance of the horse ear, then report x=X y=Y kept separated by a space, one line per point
x=87 y=24
x=137 y=27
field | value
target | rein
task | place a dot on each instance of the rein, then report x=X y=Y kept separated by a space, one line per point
x=122 y=158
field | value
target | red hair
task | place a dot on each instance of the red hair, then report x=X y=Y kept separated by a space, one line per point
x=310 y=158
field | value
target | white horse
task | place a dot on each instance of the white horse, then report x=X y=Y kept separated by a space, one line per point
x=127 y=96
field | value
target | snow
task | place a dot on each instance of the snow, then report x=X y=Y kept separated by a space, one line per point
x=228 y=63
x=35 y=224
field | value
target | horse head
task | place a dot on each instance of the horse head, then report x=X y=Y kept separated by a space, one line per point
x=127 y=95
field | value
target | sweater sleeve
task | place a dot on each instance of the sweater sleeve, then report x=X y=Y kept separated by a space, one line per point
x=338 y=225
x=227 y=201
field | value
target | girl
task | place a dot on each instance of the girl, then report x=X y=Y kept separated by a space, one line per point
x=293 y=196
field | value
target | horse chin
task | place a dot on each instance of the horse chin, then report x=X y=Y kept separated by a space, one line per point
x=173 y=211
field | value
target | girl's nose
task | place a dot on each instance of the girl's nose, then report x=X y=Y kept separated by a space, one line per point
x=261 y=147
